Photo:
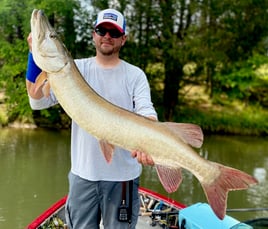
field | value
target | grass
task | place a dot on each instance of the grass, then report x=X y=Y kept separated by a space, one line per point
x=250 y=121
x=222 y=116
x=3 y=115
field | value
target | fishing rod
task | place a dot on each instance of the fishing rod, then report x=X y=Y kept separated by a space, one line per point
x=246 y=209
x=150 y=213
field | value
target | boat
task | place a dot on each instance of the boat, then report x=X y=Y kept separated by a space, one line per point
x=156 y=211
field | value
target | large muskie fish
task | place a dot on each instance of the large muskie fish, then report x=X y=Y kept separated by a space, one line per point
x=167 y=143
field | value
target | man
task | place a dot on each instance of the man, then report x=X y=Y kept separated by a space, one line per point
x=96 y=186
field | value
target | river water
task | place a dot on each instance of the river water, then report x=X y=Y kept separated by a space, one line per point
x=34 y=165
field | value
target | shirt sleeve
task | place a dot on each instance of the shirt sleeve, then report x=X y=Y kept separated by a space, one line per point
x=142 y=97
x=43 y=103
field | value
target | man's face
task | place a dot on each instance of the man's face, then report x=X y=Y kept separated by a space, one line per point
x=108 y=39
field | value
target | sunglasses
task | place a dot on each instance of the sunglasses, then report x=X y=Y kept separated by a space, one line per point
x=114 y=33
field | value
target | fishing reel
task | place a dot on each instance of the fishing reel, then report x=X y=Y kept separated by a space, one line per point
x=166 y=220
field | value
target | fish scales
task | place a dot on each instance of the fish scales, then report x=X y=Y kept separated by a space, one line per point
x=121 y=125
x=164 y=144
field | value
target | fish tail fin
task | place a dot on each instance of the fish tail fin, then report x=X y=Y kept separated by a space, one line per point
x=229 y=179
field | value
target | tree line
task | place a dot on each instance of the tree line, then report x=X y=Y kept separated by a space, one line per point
x=222 y=45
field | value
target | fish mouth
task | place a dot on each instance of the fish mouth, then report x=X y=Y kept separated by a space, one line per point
x=49 y=51
x=42 y=27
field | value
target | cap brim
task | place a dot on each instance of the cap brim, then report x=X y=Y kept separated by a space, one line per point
x=111 y=23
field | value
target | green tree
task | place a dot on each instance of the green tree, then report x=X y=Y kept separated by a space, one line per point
x=15 y=27
x=13 y=53
x=223 y=39
x=228 y=32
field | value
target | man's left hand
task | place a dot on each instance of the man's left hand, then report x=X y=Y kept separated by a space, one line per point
x=142 y=158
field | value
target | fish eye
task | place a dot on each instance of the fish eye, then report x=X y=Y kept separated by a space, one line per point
x=53 y=35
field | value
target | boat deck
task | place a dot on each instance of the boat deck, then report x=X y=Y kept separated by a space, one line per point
x=154 y=212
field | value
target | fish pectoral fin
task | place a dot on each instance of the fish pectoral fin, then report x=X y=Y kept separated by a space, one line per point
x=190 y=133
x=46 y=89
x=40 y=80
x=107 y=149
x=170 y=178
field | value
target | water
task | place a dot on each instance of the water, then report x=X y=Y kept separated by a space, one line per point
x=33 y=166
x=35 y=163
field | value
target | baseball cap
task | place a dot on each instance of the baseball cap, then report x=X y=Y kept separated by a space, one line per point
x=113 y=17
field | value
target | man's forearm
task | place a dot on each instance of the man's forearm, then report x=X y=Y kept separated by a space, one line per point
x=32 y=92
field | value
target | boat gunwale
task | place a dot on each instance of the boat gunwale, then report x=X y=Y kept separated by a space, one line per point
x=47 y=213
x=56 y=207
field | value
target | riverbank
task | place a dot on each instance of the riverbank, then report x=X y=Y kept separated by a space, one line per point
x=228 y=120
x=219 y=116
x=3 y=113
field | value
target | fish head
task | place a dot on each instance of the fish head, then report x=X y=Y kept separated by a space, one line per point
x=49 y=52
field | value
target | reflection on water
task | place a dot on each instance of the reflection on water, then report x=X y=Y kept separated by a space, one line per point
x=258 y=194
x=249 y=154
x=35 y=163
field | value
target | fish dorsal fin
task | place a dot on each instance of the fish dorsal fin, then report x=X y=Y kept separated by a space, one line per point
x=107 y=149
x=170 y=178
x=190 y=133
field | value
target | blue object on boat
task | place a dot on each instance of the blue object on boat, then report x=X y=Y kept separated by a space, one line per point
x=201 y=216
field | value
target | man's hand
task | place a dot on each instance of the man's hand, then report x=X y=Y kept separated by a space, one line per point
x=142 y=158
x=29 y=41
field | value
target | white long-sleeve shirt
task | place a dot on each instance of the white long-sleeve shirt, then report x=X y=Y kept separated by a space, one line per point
x=124 y=85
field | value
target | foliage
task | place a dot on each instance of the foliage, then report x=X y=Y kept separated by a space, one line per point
x=247 y=81
x=156 y=75
x=14 y=24
x=221 y=44
x=252 y=120
x=13 y=79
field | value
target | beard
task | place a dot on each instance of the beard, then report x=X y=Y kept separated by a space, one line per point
x=108 y=51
